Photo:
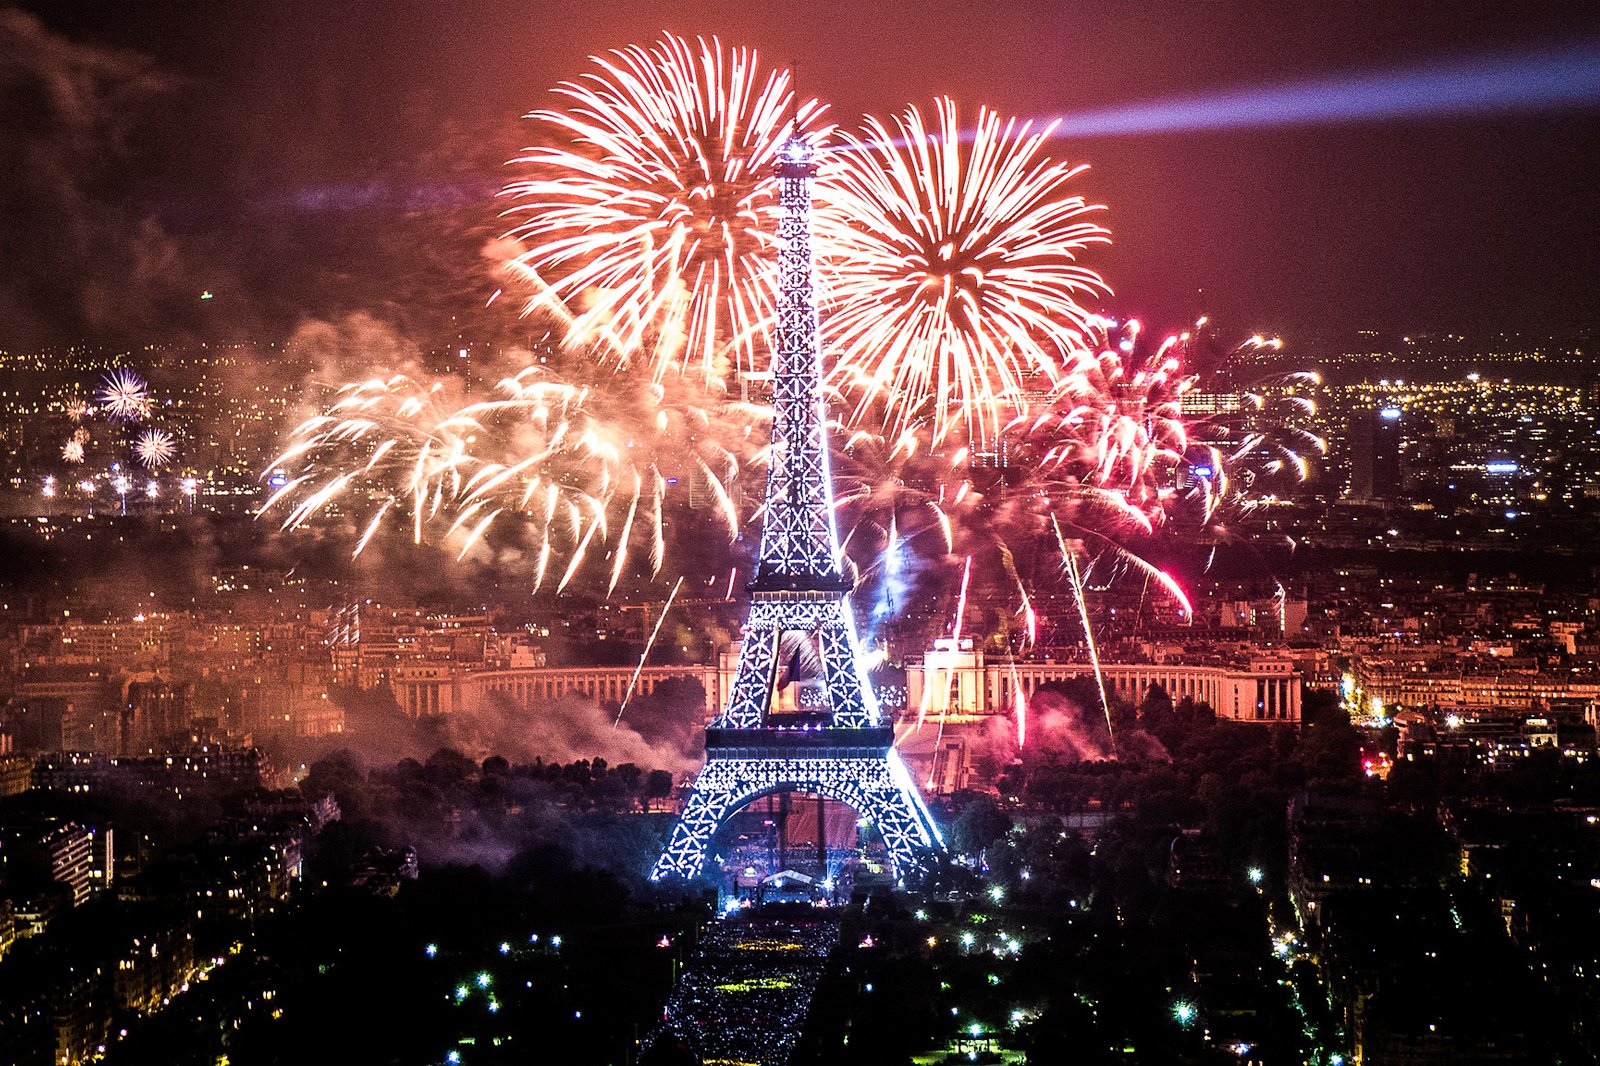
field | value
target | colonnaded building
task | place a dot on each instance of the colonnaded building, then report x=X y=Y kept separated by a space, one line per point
x=948 y=680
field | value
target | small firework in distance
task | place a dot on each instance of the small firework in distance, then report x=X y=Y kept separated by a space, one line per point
x=72 y=450
x=125 y=396
x=155 y=448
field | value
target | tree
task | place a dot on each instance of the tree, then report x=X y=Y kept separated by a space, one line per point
x=1155 y=712
x=657 y=785
x=447 y=767
x=980 y=823
x=629 y=779
x=342 y=774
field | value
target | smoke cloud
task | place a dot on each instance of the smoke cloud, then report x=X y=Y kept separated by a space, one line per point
x=81 y=260
x=1060 y=729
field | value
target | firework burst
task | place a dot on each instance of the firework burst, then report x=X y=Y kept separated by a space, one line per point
x=393 y=442
x=648 y=211
x=72 y=450
x=1168 y=431
x=1133 y=442
x=155 y=448
x=952 y=274
x=125 y=396
x=591 y=465
x=587 y=469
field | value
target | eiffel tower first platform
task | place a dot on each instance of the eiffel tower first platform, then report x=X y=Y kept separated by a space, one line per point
x=835 y=743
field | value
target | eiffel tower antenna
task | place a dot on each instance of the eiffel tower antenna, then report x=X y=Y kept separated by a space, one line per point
x=794 y=99
x=838 y=745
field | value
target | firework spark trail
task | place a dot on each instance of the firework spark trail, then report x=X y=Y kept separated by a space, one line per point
x=1019 y=706
x=944 y=712
x=651 y=643
x=648 y=212
x=961 y=602
x=1088 y=637
x=951 y=270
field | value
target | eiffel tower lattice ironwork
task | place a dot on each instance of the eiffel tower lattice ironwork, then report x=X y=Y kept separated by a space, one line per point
x=836 y=744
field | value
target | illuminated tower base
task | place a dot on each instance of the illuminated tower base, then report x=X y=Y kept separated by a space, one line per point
x=856 y=767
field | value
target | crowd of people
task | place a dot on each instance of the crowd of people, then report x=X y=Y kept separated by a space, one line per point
x=744 y=995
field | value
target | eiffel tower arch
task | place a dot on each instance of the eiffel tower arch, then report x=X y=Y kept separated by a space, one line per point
x=800 y=717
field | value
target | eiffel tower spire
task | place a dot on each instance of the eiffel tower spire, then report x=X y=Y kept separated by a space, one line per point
x=834 y=743
x=799 y=545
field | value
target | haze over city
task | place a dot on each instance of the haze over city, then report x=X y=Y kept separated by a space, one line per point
x=1010 y=533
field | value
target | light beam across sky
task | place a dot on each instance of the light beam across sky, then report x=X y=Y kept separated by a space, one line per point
x=1548 y=78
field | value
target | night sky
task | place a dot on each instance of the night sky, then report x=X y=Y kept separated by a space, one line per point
x=291 y=156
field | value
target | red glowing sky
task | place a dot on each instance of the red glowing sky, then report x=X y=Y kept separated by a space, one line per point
x=1405 y=224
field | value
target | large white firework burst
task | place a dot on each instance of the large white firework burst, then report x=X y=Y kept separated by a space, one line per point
x=648 y=209
x=952 y=274
x=584 y=468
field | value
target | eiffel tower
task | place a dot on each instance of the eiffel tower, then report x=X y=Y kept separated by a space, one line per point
x=781 y=730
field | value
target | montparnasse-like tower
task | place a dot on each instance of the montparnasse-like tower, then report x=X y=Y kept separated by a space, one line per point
x=801 y=717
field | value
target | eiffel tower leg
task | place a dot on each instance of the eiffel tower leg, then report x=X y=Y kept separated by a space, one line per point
x=708 y=806
x=752 y=685
x=903 y=820
x=846 y=688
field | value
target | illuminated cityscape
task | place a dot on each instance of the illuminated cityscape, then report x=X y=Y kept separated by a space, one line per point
x=980 y=535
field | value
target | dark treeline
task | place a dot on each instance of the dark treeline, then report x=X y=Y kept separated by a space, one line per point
x=1231 y=781
x=457 y=811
